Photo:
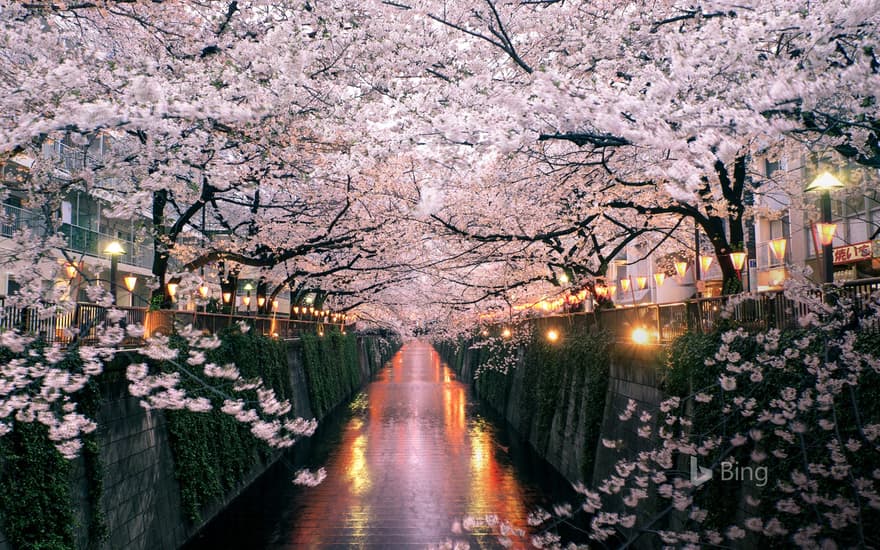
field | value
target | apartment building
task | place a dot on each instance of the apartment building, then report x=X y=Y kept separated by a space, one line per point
x=84 y=224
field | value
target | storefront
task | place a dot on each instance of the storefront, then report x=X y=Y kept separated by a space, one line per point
x=857 y=261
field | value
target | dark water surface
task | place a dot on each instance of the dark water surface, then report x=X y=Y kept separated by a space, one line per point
x=411 y=455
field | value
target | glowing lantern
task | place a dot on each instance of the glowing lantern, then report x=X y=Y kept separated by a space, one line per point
x=641 y=281
x=624 y=285
x=553 y=335
x=659 y=278
x=505 y=333
x=130 y=282
x=825 y=232
x=203 y=290
x=738 y=259
x=227 y=297
x=681 y=268
x=640 y=336
x=777 y=246
x=71 y=270
x=172 y=290
x=706 y=263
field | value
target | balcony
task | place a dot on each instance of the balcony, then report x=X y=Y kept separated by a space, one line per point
x=79 y=239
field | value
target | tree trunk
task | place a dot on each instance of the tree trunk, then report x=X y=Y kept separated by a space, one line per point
x=160 y=296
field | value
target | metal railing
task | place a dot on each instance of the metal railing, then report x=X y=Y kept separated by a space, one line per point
x=74 y=158
x=81 y=239
x=83 y=323
x=15 y=219
x=666 y=322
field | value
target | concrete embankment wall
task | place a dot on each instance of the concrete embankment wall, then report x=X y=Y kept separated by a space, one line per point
x=565 y=401
x=141 y=498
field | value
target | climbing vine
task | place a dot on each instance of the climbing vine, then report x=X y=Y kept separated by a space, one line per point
x=558 y=379
x=332 y=368
x=212 y=451
x=36 y=491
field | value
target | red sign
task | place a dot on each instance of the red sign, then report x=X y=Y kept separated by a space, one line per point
x=858 y=252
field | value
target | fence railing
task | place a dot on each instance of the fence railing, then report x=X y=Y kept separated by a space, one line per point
x=663 y=323
x=83 y=323
x=81 y=239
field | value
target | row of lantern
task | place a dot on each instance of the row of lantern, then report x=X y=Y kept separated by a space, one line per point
x=204 y=291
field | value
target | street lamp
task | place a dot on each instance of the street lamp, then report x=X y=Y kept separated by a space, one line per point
x=114 y=250
x=824 y=183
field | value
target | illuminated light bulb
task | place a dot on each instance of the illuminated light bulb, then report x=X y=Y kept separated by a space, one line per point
x=505 y=333
x=640 y=336
x=553 y=335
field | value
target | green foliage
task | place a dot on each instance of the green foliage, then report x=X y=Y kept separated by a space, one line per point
x=574 y=370
x=36 y=499
x=212 y=451
x=332 y=369
x=35 y=492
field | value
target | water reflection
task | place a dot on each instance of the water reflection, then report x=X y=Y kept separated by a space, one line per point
x=410 y=458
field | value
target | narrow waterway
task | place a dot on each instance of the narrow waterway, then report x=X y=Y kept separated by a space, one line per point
x=409 y=458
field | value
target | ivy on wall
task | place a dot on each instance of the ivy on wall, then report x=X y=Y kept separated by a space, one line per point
x=36 y=498
x=687 y=373
x=559 y=379
x=212 y=451
x=332 y=369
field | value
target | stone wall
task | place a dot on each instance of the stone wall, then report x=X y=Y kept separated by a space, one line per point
x=633 y=373
x=141 y=497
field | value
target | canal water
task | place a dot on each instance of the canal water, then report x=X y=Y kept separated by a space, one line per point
x=407 y=461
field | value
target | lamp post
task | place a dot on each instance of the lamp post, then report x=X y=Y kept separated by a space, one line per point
x=114 y=250
x=824 y=183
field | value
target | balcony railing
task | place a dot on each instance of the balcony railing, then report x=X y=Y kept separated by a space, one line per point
x=74 y=158
x=81 y=239
x=16 y=219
